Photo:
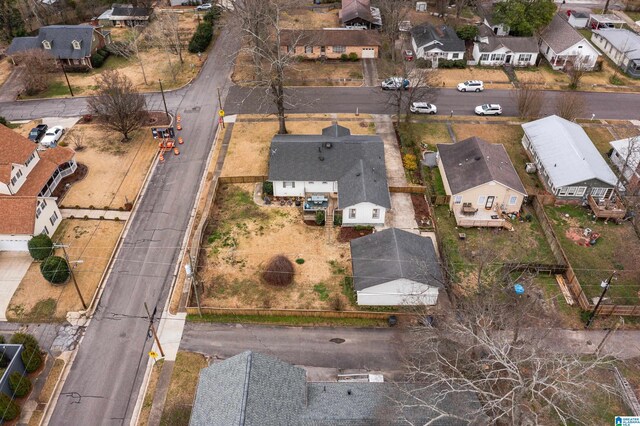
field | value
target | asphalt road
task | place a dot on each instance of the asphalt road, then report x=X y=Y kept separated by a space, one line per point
x=377 y=349
x=105 y=378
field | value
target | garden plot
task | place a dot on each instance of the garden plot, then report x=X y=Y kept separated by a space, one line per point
x=92 y=242
x=243 y=237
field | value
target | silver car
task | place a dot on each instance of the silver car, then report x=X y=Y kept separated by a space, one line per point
x=423 y=108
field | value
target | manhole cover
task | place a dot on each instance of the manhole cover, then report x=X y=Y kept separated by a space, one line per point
x=337 y=340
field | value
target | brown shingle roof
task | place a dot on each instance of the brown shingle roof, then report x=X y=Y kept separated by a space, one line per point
x=333 y=37
x=560 y=35
x=21 y=219
x=352 y=9
x=473 y=162
x=14 y=149
x=49 y=162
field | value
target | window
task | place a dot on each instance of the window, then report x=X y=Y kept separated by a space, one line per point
x=484 y=57
x=38 y=211
x=288 y=184
x=497 y=56
x=571 y=191
x=291 y=49
x=338 y=49
x=481 y=200
x=324 y=183
x=352 y=213
x=524 y=57
x=45 y=231
x=376 y=214
x=310 y=183
x=513 y=200
x=19 y=173
x=76 y=44
x=457 y=199
x=46 y=44
x=13 y=180
x=548 y=48
x=53 y=218
x=308 y=49
x=455 y=55
x=598 y=192
x=581 y=190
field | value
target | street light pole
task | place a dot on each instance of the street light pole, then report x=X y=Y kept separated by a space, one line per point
x=73 y=276
x=164 y=101
x=605 y=286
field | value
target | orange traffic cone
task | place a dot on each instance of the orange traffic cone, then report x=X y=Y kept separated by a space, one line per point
x=178 y=118
x=180 y=141
x=160 y=145
x=176 y=151
x=170 y=144
x=162 y=158
x=179 y=126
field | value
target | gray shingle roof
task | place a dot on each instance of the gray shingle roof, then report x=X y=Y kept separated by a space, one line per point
x=356 y=162
x=249 y=389
x=515 y=44
x=330 y=37
x=138 y=12
x=445 y=37
x=560 y=35
x=566 y=152
x=60 y=37
x=392 y=254
x=473 y=162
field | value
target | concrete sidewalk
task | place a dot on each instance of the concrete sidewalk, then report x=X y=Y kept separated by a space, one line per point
x=95 y=214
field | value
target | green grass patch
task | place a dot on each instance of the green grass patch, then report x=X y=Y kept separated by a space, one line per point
x=56 y=90
x=322 y=291
x=288 y=320
x=349 y=291
x=43 y=311
x=600 y=136
x=182 y=389
x=428 y=133
x=616 y=80
x=433 y=180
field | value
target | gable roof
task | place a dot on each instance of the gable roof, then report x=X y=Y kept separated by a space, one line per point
x=474 y=161
x=21 y=219
x=442 y=37
x=622 y=40
x=353 y=9
x=485 y=11
x=515 y=44
x=14 y=149
x=60 y=37
x=50 y=160
x=335 y=159
x=566 y=152
x=560 y=35
x=249 y=389
x=330 y=37
x=130 y=12
x=392 y=254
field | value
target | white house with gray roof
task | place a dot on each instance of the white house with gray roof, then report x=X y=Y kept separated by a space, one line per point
x=252 y=389
x=562 y=44
x=621 y=46
x=491 y=50
x=567 y=161
x=436 y=42
x=335 y=165
x=395 y=267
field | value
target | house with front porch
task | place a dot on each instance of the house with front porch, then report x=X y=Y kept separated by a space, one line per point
x=561 y=45
x=491 y=50
x=621 y=46
x=436 y=42
x=481 y=182
x=335 y=172
x=567 y=161
x=27 y=180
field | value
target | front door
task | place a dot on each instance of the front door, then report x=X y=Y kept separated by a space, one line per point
x=322 y=51
x=507 y=60
x=489 y=202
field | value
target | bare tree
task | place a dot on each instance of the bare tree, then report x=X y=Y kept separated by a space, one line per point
x=129 y=48
x=165 y=32
x=77 y=138
x=528 y=100
x=254 y=17
x=576 y=71
x=119 y=105
x=630 y=159
x=571 y=105
x=393 y=12
x=422 y=83
x=516 y=381
x=38 y=66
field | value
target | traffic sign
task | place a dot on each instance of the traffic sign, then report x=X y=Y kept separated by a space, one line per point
x=153 y=355
x=221 y=113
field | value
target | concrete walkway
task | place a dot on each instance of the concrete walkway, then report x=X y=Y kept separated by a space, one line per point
x=95 y=214
x=10 y=89
x=13 y=267
x=392 y=156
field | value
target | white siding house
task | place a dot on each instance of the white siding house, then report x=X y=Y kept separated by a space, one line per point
x=621 y=46
x=435 y=43
x=363 y=214
x=577 y=19
x=561 y=44
x=398 y=292
x=489 y=50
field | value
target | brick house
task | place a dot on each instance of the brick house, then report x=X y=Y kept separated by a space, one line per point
x=331 y=43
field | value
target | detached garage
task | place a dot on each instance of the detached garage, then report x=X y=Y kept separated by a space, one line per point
x=395 y=267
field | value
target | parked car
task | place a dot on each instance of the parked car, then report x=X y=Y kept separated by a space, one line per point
x=408 y=55
x=471 y=86
x=395 y=83
x=38 y=132
x=204 y=6
x=52 y=136
x=489 y=109
x=423 y=108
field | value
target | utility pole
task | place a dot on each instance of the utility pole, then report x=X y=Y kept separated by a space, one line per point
x=73 y=276
x=153 y=327
x=65 y=75
x=164 y=101
x=605 y=286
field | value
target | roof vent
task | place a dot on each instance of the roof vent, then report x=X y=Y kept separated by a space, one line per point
x=358 y=174
x=478 y=158
x=321 y=158
x=349 y=392
x=328 y=145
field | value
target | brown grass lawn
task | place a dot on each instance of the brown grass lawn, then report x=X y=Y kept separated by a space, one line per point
x=143 y=419
x=5 y=70
x=431 y=133
x=451 y=77
x=308 y=20
x=116 y=169
x=510 y=136
x=182 y=389
x=600 y=136
x=91 y=241
x=244 y=236
x=249 y=145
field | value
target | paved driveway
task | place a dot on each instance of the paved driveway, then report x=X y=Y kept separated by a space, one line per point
x=13 y=266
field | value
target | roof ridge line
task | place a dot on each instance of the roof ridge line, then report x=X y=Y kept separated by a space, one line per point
x=245 y=389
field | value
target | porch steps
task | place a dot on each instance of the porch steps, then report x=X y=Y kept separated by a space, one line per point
x=565 y=290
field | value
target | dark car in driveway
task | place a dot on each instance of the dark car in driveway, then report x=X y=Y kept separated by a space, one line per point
x=38 y=132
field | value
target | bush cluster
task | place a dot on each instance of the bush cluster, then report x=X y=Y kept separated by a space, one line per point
x=448 y=63
x=98 y=58
x=20 y=385
x=320 y=217
x=201 y=38
x=279 y=271
x=267 y=188
x=10 y=410
x=410 y=162
x=55 y=269
x=40 y=247
x=351 y=57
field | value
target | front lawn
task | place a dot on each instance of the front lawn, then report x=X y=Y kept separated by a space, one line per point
x=182 y=389
x=616 y=249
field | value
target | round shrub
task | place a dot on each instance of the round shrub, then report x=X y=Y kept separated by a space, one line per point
x=353 y=56
x=299 y=261
x=344 y=57
x=55 y=270
x=320 y=217
x=31 y=358
x=279 y=271
x=19 y=384
x=267 y=188
x=40 y=247
x=24 y=339
x=97 y=60
x=9 y=409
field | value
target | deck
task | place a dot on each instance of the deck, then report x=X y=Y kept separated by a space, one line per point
x=480 y=219
x=607 y=209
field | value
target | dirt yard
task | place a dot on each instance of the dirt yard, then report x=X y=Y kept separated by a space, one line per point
x=244 y=236
x=116 y=169
x=91 y=241
x=249 y=145
x=551 y=79
x=5 y=70
x=492 y=78
x=304 y=19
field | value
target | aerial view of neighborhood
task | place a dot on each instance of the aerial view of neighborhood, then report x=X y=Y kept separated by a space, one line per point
x=320 y=212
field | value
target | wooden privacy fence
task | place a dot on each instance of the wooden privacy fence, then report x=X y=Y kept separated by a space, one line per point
x=242 y=179
x=541 y=268
x=305 y=313
x=410 y=189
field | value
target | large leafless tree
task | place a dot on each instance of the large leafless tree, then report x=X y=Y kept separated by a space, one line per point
x=129 y=47
x=255 y=17
x=529 y=100
x=422 y=84
x=117 y=103
x=393 y=12
x=165 y=32
x=38 y=68
x=571 y=105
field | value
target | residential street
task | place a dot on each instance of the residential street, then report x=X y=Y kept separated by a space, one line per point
x=105 y=378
